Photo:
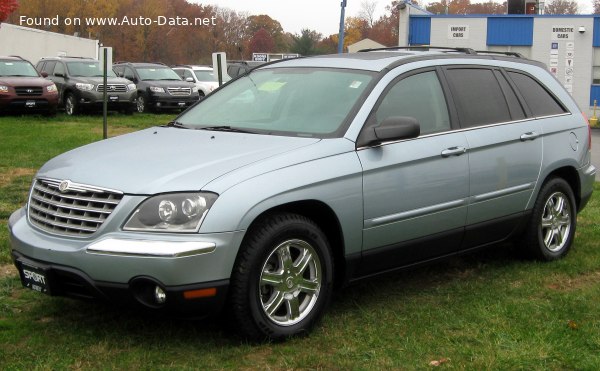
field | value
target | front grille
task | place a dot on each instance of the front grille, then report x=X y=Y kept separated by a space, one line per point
x=179 y=92
x=29 y=90
x=112 y=88
x=77 y=210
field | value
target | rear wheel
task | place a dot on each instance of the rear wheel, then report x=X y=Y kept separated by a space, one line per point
x=550 y=232
x=282 y=280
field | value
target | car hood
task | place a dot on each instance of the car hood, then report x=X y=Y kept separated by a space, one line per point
x=24 y=81
x=100 y=80
x=166 y=159
x=167 y=83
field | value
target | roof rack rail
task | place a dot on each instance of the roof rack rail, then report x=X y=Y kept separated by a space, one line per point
x=509 y=54
x=421 y=47
x=18 y=56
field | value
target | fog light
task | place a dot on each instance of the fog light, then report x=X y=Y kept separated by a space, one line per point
x=160 y=296
x=157 y=104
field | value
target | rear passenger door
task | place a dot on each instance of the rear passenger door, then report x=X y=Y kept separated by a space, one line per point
x=415 y=191
x=505 y=151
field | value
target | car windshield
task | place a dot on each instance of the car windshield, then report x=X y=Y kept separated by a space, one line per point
x=204 y=75
x=87 y=69
x=286 y=101
x=158 y=73
x=17 y=68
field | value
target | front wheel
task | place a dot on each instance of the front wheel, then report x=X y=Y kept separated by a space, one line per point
x=282 y=280
x=71 y=106
x=552 y=226
x=141 y=104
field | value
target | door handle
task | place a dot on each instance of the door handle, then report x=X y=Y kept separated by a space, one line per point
x=532 y=135
x=453 y=151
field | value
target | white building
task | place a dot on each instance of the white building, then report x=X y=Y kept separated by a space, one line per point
x=33 y=44
x=568 y=44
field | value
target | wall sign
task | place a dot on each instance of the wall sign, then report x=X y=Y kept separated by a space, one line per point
x=458 y=31
x=563 y=33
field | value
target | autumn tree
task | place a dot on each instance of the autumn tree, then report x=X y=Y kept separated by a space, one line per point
x=7 y=7
x=596 y=6
x=561 y=7
x=488 y=7
x=261 y=42
x=452 y=6
x=271 y=26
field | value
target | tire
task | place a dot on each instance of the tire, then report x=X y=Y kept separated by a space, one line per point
x=71 y=107
x=141 y=104
x=282 y=279
x=551 y=230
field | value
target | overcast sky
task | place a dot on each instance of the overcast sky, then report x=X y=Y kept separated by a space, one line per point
x=320 y=15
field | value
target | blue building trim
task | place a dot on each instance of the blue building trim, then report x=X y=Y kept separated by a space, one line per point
x=515 y=31
x=596 y=42
x=595 y=95
x=419 y=32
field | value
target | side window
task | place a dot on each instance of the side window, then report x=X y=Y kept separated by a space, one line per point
x=129 y=74
x=516 y=110
x=419 y=96
x=540 y=102
x=118 y=70
x=179 y=72
x=60 y=68
x=187 y=74
x=49 y=67
x=478 y=96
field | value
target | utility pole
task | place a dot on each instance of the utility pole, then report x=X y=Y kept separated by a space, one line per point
x=341 y=35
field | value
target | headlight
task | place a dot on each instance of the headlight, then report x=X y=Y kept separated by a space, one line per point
x=175 y=212
x=3 y=89
x=157 y=89
x=131 y=87
x=51 y=88
x=85 y=87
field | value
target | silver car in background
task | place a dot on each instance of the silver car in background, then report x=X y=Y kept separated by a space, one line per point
x=311 y=173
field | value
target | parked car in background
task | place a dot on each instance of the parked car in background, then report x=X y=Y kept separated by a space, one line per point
x=158 y=86
x=329 y=170
x=80 y=85
x=23 y=89
x=202 y=76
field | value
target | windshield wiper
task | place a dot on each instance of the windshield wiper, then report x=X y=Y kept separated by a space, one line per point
x=226 y=128
x=176 y=124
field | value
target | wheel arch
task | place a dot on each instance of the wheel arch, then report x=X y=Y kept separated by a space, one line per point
x=571 y=176
x=325 y=218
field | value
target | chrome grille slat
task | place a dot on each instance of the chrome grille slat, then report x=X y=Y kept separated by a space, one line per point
x=180 y=92
x=29 y=90
x=78 y=211
x=79 y=198
x=112 y=88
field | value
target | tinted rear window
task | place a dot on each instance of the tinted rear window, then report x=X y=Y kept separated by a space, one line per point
x=478 y=96
x=539 y=100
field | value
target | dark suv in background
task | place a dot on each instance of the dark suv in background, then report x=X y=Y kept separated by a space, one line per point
x=158 y=86
x=80 y=85
x=22 y=89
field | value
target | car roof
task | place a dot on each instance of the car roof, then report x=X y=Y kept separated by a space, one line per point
x=194 y=67
x=379 y=59
x=70 y=59
x=142 y=64
x=12 y=58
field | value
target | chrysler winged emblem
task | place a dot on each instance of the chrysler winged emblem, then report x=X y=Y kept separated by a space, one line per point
x=64 y=186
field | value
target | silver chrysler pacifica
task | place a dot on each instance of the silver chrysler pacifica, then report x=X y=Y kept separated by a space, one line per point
x=308 y=173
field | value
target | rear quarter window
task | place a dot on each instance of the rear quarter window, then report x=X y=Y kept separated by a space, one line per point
x=537 y=98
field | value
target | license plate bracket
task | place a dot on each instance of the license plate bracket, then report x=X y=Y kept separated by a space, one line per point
x=34 y=278
x=30 y=103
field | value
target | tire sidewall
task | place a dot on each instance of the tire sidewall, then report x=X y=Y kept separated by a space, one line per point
x=313 y=236
x=552 y=186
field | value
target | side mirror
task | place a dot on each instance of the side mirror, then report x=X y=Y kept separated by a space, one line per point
x=189 y=79
x=391 y=129
x=44 y=74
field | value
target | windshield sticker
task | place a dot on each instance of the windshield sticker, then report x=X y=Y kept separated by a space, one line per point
x=355 y=84
x=8 y=64
x=271 y=86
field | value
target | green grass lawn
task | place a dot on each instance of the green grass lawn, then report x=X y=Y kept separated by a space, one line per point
x=483 y=311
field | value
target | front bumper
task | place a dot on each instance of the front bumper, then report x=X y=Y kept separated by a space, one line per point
x=94 y=99
x=193 y=270
x=166 y=101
